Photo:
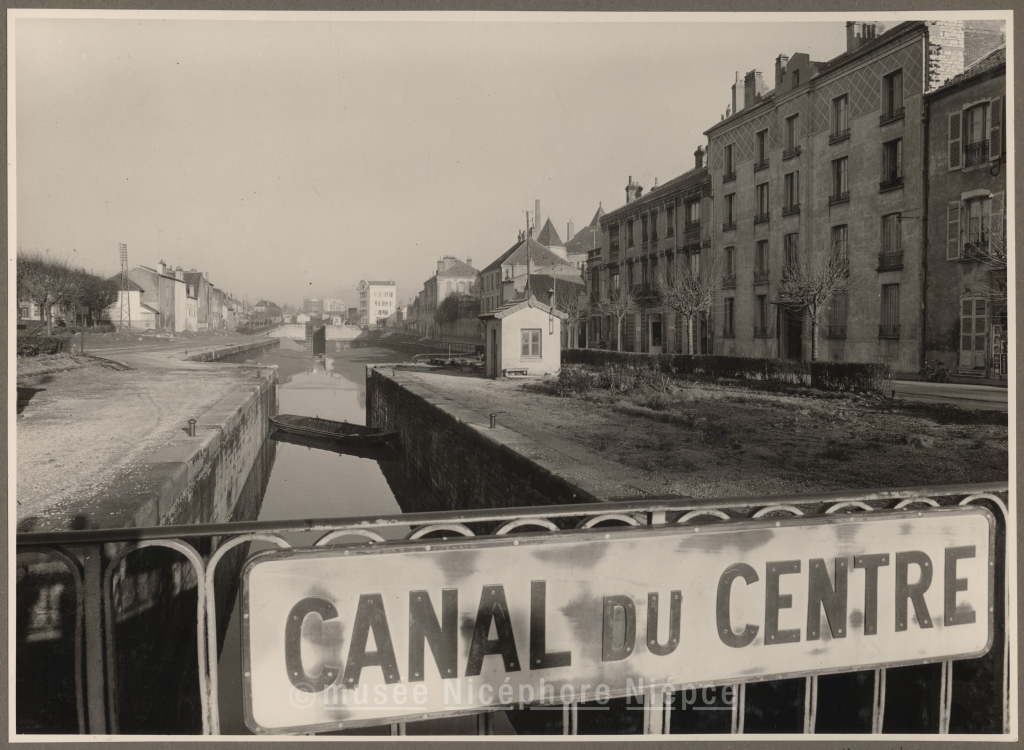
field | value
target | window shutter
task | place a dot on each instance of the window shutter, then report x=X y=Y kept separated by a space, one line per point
x=953 y=231
x=995 y=138
x=955 y=146
x=997 y=246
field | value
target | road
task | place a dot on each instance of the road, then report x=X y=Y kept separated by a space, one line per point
x=985 y=397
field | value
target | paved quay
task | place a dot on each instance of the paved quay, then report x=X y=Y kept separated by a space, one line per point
x=80 y=430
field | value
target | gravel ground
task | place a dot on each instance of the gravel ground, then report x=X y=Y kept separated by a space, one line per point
x=705 y=440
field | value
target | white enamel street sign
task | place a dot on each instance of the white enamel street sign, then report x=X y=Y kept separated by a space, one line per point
x=347 y=637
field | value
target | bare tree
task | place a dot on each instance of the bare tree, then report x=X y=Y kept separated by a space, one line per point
x=809 y=283
x=990 y=251
x=576 y=308
x=690 y=291
x=620 y=303
x=47 y=282
x=447 y=312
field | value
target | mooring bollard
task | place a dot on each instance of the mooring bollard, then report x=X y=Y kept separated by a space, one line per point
x=192 y=428
x=494 y=418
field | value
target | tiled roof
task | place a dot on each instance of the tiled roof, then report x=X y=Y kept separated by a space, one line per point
x=541 y=284
x=989 y=62
x=549 y=235
x=596 y=221
x=585 y=240
x=458 y=269
x=693 y=177
x=517 y=255
x=517 y=305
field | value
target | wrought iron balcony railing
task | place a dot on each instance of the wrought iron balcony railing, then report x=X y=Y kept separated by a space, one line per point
x=888 y=331
x=728 y=225
x=976 y=153
x=839 y=136
x=759 y=165
x=761 y=277
x=760 y=332
x=789 y=153
x=890 y=261
x=762 y=218
x=792 y=208
x=891 y=183
x=887 y=117
x=729 y=281
x=842 y=197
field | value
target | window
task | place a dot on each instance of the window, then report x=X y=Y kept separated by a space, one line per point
x=613 y=238
x=761 y=262
x=762 y=203
x=695 y=263
x=837 y=315
x=729 y=278
x=654 y=225
x=840 y=117
x=629 y=233
x=727 y=317
x=892 y=96
x=730 y=213
x=762 y=148
x=615 y=281
x=654 y=270
x=792 y=132
x=530 y=338
x=889 y=323
x=644 y=236
x=839 y=241
x=791 y=250
x=840 y=185
x=761 y=316
x=975 y=130
x=693 y=215
x=796 y=78
x=892 y=163
x=730 y=165
x=891 y=234
x=670 y=220
x=792 y=193
x=977 y=212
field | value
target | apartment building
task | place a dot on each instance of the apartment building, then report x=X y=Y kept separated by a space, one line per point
x=377 y=301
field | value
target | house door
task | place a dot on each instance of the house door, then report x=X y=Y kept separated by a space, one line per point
x=794 y=335
x=654 y=333
x=972 y=333
x=492 y=354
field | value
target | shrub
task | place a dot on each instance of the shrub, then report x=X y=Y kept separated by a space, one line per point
x=38 y=345
x=574 y=380
x=863 y=377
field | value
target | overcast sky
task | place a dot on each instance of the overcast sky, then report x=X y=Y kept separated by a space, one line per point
x=293 y=159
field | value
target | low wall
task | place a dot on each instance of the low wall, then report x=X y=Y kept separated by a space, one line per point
x=463 y=463
x=229 y=351
x=297 y=332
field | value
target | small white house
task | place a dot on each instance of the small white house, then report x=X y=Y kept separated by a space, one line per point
x=523 y=338
x=302 y=318
x=143 y=317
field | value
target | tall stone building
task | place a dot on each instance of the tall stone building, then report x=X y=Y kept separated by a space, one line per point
x=832 y=160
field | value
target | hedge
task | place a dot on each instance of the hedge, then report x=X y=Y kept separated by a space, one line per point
x=827 y=376
x=37 y=345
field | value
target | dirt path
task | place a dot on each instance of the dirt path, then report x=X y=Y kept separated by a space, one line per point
x=711 y=440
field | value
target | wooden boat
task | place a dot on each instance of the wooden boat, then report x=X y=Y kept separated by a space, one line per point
x=374 y=451
x=339 y=433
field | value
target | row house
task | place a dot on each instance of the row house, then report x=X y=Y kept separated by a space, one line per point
x=212 y=303
x=643 y=242
x=965 y=269
x=452 y=277
x=832 y=160
x=504 y=279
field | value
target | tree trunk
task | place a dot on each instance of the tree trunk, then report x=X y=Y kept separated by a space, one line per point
x=689 y=334
x=814 y=338
x=48 y=316
x=618 y=335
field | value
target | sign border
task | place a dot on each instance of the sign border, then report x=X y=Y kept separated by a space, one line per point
x=579 y=535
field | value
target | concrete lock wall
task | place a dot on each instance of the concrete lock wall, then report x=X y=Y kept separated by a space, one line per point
x=464 y=463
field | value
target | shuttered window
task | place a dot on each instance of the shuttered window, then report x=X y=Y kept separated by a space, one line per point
x=955 y=142
x=953 y=230
x=727 y=317
x=995 y=139
x=837 y=315
x=889 y=321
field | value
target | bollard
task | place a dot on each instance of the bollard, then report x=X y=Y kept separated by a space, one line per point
x=494 y=418
x=192 y=428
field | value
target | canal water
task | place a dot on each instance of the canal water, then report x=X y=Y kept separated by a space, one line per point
x=311 y=483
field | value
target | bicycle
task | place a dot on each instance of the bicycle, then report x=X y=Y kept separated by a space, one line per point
x=933 y=372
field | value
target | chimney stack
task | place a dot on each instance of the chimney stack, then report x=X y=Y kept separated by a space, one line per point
x=698 y=157
x=780 y=70
x=633 y=190
x=753 y=88
x=161 y=267
x=469 y=262
x=569 y=233
x=859 y=33
x=440 y=266
x=737 y=97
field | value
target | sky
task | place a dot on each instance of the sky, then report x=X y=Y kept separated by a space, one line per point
x=291 y=159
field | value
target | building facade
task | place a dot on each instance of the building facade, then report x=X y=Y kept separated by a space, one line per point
x=505 y=278
x=966 y=285
x=832 y=160
x=377 y=300
x=643 y=242
x=451 y=277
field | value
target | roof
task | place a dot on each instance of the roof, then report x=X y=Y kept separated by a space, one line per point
x=144 y=306
x=541 y=284
x=587 y=238
x=458 y=269
x=132 y=286
x=989 y=63
x=514 y=307
x=596 y=221
x=381 y=283
x=549 y=235
x=517 y=255
x=693 y=177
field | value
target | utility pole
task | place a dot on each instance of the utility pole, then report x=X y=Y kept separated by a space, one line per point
x=126 y=308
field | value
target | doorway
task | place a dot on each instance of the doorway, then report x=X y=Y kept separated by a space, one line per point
x=654 y=333
x=794 y=334
x=492 y=351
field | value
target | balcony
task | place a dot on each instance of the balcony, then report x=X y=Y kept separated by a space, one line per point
x=891 y=184
x=761 y=277
x=729 y=281
x=977 y=249
x=977 y=153
x=759 y=165
x=728 y=177
x=837 y=332
x=728 y=226
x=691 y=237
x=889 y=332
x=843 y=197
x=887 y=117
x=890 y=261
x=762 y=218
x=792 y=208
x=692 y=225
x=839 y=136
x=760 y=332
x=789 y=153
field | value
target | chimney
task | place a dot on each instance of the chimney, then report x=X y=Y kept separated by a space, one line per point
x=179 y=274
x=859 y=33
x=698 y=157
x=536 y=214
x=569 y=233
x=633 y=190
x=469 y=262
x=161 y=267
x=780 y=70
x=440 y=266
x=753 y=88
x=206 y=275
x=737 y=101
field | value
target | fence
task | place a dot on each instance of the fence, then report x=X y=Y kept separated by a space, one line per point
x=95 y=558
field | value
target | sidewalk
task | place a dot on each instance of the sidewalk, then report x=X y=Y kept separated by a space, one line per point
x=79 y=430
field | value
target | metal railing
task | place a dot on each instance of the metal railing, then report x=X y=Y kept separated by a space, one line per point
x=977 y=153
x=842 y=197
x=886 y=117
x=890 y=261
x=789 y=153
x=761 y=276
x=891 y=182
x=888 y=331
x=762 y=217
x=763 y=164
x=837 y=332
x=728 y=225
x=839 y=135
x=729 y=177
x=92 y=558
x=792 y=208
